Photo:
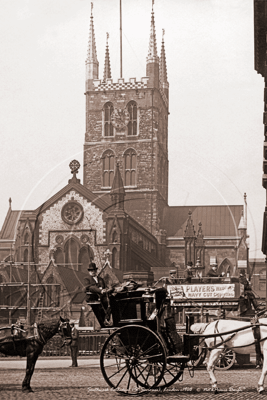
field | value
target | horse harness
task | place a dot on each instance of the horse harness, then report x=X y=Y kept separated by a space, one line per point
x=257 y=336
x=216 y=330
x=17 y=334
x=255 y=326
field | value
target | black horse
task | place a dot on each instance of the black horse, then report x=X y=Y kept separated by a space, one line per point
x=17 y=343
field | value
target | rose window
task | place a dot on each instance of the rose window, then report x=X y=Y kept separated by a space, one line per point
x=72 y=213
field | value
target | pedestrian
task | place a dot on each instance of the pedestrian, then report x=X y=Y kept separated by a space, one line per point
x=189 y=272
x=172 y=279
x=74 y=346
x=212 y=273
x=247 y=290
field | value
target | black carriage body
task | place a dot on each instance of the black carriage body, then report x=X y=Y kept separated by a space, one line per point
x=129 y=308
x=150 y=309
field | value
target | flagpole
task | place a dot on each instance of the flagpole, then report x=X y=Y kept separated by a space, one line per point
x=120 y=41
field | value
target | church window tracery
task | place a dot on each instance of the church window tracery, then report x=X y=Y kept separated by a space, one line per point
x=108 y=127
x=71 y=253
x=130 y=167
x=85 y=257
x=108 y=168
x=132 y=125
x=59 y=256
x=72 y=212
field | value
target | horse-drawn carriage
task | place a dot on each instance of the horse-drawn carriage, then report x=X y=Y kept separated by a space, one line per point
x=144 y=351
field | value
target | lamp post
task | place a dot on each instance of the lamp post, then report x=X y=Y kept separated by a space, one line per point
x=28 y=318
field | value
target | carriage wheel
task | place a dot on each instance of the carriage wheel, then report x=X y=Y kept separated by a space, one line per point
x=172 y=373
x=133 y=360
x=226 y=360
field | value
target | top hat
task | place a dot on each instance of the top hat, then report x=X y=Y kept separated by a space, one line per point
x=190 y=264
x=92 y=267
x=173 y=271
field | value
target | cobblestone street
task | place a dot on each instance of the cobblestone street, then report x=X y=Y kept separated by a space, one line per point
x=88 y=383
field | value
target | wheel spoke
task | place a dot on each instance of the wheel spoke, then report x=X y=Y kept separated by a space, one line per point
x=139 y=359
x=140 y=373
x=117 y=372
x=121 y=378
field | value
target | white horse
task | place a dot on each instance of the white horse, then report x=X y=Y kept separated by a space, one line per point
x=239 y=337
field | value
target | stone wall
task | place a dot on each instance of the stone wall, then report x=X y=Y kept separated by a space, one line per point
x=52 y=225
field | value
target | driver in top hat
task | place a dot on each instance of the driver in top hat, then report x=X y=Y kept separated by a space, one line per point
x=95 y=289
x=94 y=284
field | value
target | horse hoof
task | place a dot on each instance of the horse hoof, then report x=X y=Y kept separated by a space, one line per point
x=260 y=389
x=214 y=389
x=27 y=389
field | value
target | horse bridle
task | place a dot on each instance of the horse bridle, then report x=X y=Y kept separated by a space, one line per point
x=61 y=328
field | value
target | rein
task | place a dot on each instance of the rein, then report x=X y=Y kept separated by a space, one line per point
x=224 y=333
x=233 y=332
x=235 y=347
x=43 y=341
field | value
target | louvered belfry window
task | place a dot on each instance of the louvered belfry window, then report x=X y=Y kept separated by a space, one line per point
x=108 y=127
x=130 y=167
x=108 y=168
x=132 y=125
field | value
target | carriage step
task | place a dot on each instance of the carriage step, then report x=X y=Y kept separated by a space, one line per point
x=177 y=358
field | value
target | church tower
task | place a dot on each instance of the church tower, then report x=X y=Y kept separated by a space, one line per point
x=127 y=125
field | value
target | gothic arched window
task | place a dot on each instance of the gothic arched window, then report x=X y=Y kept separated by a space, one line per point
x=71 y=253
x=59 y=256
x=108 y=168
x=84 y=259
x=114 y=237
x=130 y=167
x=108 y=127
x=132 y=125
x=115 y=258
x=26 y=238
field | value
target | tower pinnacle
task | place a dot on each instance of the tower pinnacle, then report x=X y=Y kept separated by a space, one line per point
x=107 y=69
x=163 y=66
x=152 y=60
x=152 y=49
x=91 y=61
x=163 y=78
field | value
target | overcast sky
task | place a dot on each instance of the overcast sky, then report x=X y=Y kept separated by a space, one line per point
x=216 y=97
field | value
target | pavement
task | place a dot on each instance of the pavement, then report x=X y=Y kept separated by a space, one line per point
x=65 y=362
x=48 y=363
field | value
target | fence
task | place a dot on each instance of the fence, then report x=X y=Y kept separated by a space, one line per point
x=89 y=344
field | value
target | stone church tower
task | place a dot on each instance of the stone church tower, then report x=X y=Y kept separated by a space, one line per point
x=127 y=124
